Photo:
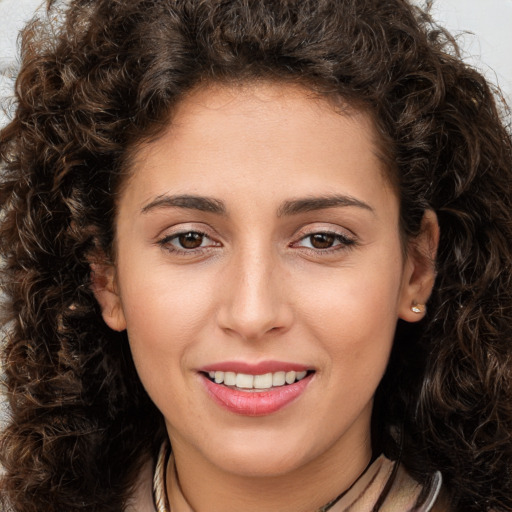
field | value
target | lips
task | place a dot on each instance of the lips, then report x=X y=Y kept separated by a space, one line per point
x=255 y=390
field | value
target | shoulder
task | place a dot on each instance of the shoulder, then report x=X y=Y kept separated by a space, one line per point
x=142 y=496
x=387 y=486
x=443 y=503
x=407 y=495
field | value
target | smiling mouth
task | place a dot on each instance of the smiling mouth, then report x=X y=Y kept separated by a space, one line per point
x=264 y=382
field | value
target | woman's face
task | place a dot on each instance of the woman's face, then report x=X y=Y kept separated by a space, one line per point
x=260 y=235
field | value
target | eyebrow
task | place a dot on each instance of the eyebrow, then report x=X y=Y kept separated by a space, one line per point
x=201 y=203
x=309 y=204
x=288 y=208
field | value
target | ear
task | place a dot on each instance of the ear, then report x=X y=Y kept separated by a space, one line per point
x=419 y=270
x=104 y=287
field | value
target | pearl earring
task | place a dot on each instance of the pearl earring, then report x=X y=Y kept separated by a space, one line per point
x=418 y=308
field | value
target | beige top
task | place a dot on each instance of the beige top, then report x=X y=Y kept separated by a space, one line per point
x=404 y=495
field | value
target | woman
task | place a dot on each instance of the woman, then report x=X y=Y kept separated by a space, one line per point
x=222 y=222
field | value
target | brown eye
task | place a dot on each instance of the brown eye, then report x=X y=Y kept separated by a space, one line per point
x=188 y=242
x=325 y=242
x=191 y=240
x=322 y=240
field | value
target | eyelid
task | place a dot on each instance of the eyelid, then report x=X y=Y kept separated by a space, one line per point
x=186 y=227
x=318 y=227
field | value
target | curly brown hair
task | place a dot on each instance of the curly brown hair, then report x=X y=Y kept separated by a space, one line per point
x=107 y=77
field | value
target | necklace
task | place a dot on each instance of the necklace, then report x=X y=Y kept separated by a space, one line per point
x=159 y=479
x=160 y=492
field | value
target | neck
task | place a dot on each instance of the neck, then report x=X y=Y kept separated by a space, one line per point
x=208 y=488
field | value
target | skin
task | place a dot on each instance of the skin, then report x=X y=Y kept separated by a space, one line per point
x=258 y=289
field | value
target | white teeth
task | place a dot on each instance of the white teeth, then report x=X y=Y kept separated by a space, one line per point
x=290 y=377
x=265 y=381
x=244 y=381
x=278 y=379
x=230 y=378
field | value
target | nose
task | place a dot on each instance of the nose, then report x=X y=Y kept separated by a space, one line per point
x=254 y=297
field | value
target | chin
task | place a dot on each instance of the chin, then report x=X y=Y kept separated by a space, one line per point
x=261 y=467
x=259 y=459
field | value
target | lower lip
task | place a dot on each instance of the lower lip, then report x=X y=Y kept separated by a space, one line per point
x=255 y=403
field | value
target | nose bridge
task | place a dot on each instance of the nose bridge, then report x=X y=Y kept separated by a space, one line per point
x=253 y=303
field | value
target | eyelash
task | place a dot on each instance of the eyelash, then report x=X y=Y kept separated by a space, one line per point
x=343 y=242
x=166 y=242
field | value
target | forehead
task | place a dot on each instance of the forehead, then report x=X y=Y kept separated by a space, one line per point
x=255 y=132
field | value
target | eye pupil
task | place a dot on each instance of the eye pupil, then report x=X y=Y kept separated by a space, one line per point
x=191 y=240
x=322 y=240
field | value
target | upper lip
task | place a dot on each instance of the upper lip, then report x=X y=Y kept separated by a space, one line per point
x=259 y=368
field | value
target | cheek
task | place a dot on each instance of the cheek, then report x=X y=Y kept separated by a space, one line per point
x=164 y=316
x=352 y=314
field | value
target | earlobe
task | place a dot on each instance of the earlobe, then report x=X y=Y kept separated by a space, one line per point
x=104 y=287
x=419 y=270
